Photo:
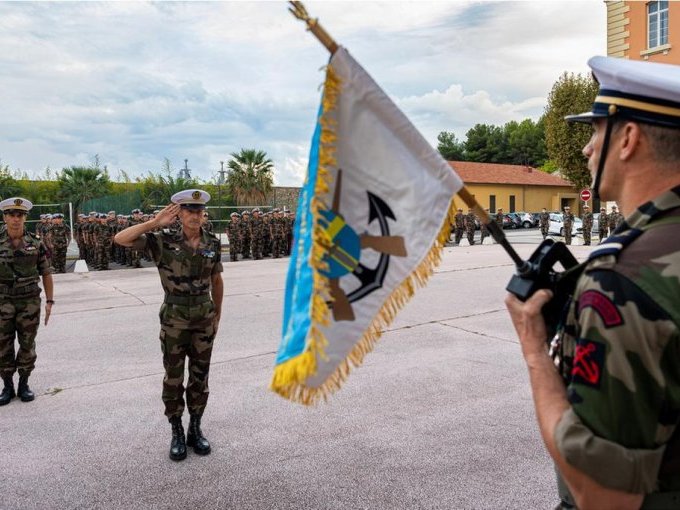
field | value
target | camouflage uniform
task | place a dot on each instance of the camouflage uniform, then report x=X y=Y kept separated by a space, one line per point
x=458 y=226
x=135 y=256
x=103 y=239
x=20 y=271
x=245 y=235
x=234 y=236
x=587 y=219
x=187 y=314
x=80 y=240
x=267 y=235
x=613 y=220
x=618 y=356
x=483 y=230
x=603 y=225
x=544 y=223
x=470 y=227
x=277 y=231
x=60 y=235
x=567 y=225
x=257 y=227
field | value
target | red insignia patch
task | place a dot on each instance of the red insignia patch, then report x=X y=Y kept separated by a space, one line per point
x=604 y=307
x=588 y=363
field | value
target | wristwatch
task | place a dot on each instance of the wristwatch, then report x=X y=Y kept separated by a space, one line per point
x=49 y=301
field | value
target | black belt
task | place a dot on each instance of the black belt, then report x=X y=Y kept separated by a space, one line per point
x=21 y=290
x=173 y=299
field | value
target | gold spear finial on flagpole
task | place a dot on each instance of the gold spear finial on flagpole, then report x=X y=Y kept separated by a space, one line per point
x=298 y=10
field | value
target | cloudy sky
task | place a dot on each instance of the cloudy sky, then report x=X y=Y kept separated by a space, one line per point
x=136 y=82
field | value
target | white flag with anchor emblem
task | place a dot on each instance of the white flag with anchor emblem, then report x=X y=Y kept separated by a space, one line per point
x=371 y=222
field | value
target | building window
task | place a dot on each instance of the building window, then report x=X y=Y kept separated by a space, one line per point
x=657 y=23
x=492 y=203
x=512 y=203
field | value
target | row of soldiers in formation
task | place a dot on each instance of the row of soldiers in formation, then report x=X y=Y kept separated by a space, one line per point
x=253 y=234
x=56 y=235
x=608 y=222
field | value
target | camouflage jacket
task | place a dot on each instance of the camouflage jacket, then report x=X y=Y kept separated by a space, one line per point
x=619 y=355
x=257 y=227
x=587 y=219
x=544 y=219
x=60 y=235
x=233 y=231
x=567 y=220
x=470 y=221
x=603 y=221
x=23 y=266
x=459 y=220
x=613 y=220
x=184 y=272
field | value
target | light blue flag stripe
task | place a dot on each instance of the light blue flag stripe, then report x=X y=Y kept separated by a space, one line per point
x=299 y=282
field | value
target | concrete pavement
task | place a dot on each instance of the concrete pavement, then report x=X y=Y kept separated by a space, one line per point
x=438 y=416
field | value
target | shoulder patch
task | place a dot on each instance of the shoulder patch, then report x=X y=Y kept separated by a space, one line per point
x=588 y=362
x=605 y=307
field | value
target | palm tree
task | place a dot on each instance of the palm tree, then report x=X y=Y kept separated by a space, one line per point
x=250 y=177
x=80 y=184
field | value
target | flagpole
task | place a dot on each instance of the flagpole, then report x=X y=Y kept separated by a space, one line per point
x=298 y=10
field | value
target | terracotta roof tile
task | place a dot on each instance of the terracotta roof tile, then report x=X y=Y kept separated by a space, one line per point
x=492 y=173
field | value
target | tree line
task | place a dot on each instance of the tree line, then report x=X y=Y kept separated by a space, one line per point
x=550 y=144
x=249 y=180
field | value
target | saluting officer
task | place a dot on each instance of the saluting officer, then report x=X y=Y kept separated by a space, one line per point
x=23 y=261
x=190 y=267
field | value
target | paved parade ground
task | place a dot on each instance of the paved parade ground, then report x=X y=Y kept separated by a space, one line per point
x=439 y=416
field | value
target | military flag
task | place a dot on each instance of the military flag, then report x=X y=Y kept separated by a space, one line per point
x=372 y=219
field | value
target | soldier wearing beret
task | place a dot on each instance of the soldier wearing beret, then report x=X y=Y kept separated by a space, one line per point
x=23 y=262
x=607 y=392
x=190 y=268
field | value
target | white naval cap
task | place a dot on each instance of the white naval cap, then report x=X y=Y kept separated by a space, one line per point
x=646 y=92
x=191 y=198
x=16 y=204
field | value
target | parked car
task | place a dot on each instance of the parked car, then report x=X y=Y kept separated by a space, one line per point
x=528 y=220
x=515 y=218
x=556 y=225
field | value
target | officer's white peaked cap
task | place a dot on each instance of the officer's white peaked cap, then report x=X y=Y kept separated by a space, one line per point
x=646 y=92
x=193 y=198
x=16 y=204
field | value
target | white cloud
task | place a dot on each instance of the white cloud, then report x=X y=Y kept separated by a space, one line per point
x=136 y=82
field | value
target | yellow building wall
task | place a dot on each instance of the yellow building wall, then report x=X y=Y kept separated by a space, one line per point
x=527 y=198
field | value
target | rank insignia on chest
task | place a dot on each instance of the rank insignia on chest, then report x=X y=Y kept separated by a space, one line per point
x=29 y=248
x=208 y=254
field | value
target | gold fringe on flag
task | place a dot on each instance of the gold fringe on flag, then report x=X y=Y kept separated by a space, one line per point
x=289 y=377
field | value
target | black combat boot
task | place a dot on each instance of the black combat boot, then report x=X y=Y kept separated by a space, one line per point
x=24 y=392
x=178 y=446
x=8 y=392
x=196 y=438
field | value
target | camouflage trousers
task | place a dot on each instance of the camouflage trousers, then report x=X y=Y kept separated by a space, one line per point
x=470 y=235
x=59 y=259
x=257 y=246
x=567 y=235
x=19 y=317
x=586 y=236
x=178 y=343
x=245 y=247
x=82 y=250
x=234 y=249
x=484 y=233
x=458 y=235
x=278 y=246
x=103 y=252
x=603 y=233
x=544 y=231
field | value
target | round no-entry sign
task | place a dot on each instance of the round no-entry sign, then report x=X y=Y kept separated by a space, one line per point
x=585 y=195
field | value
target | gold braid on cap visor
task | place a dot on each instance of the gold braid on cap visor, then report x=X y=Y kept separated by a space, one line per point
x=639 y=105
